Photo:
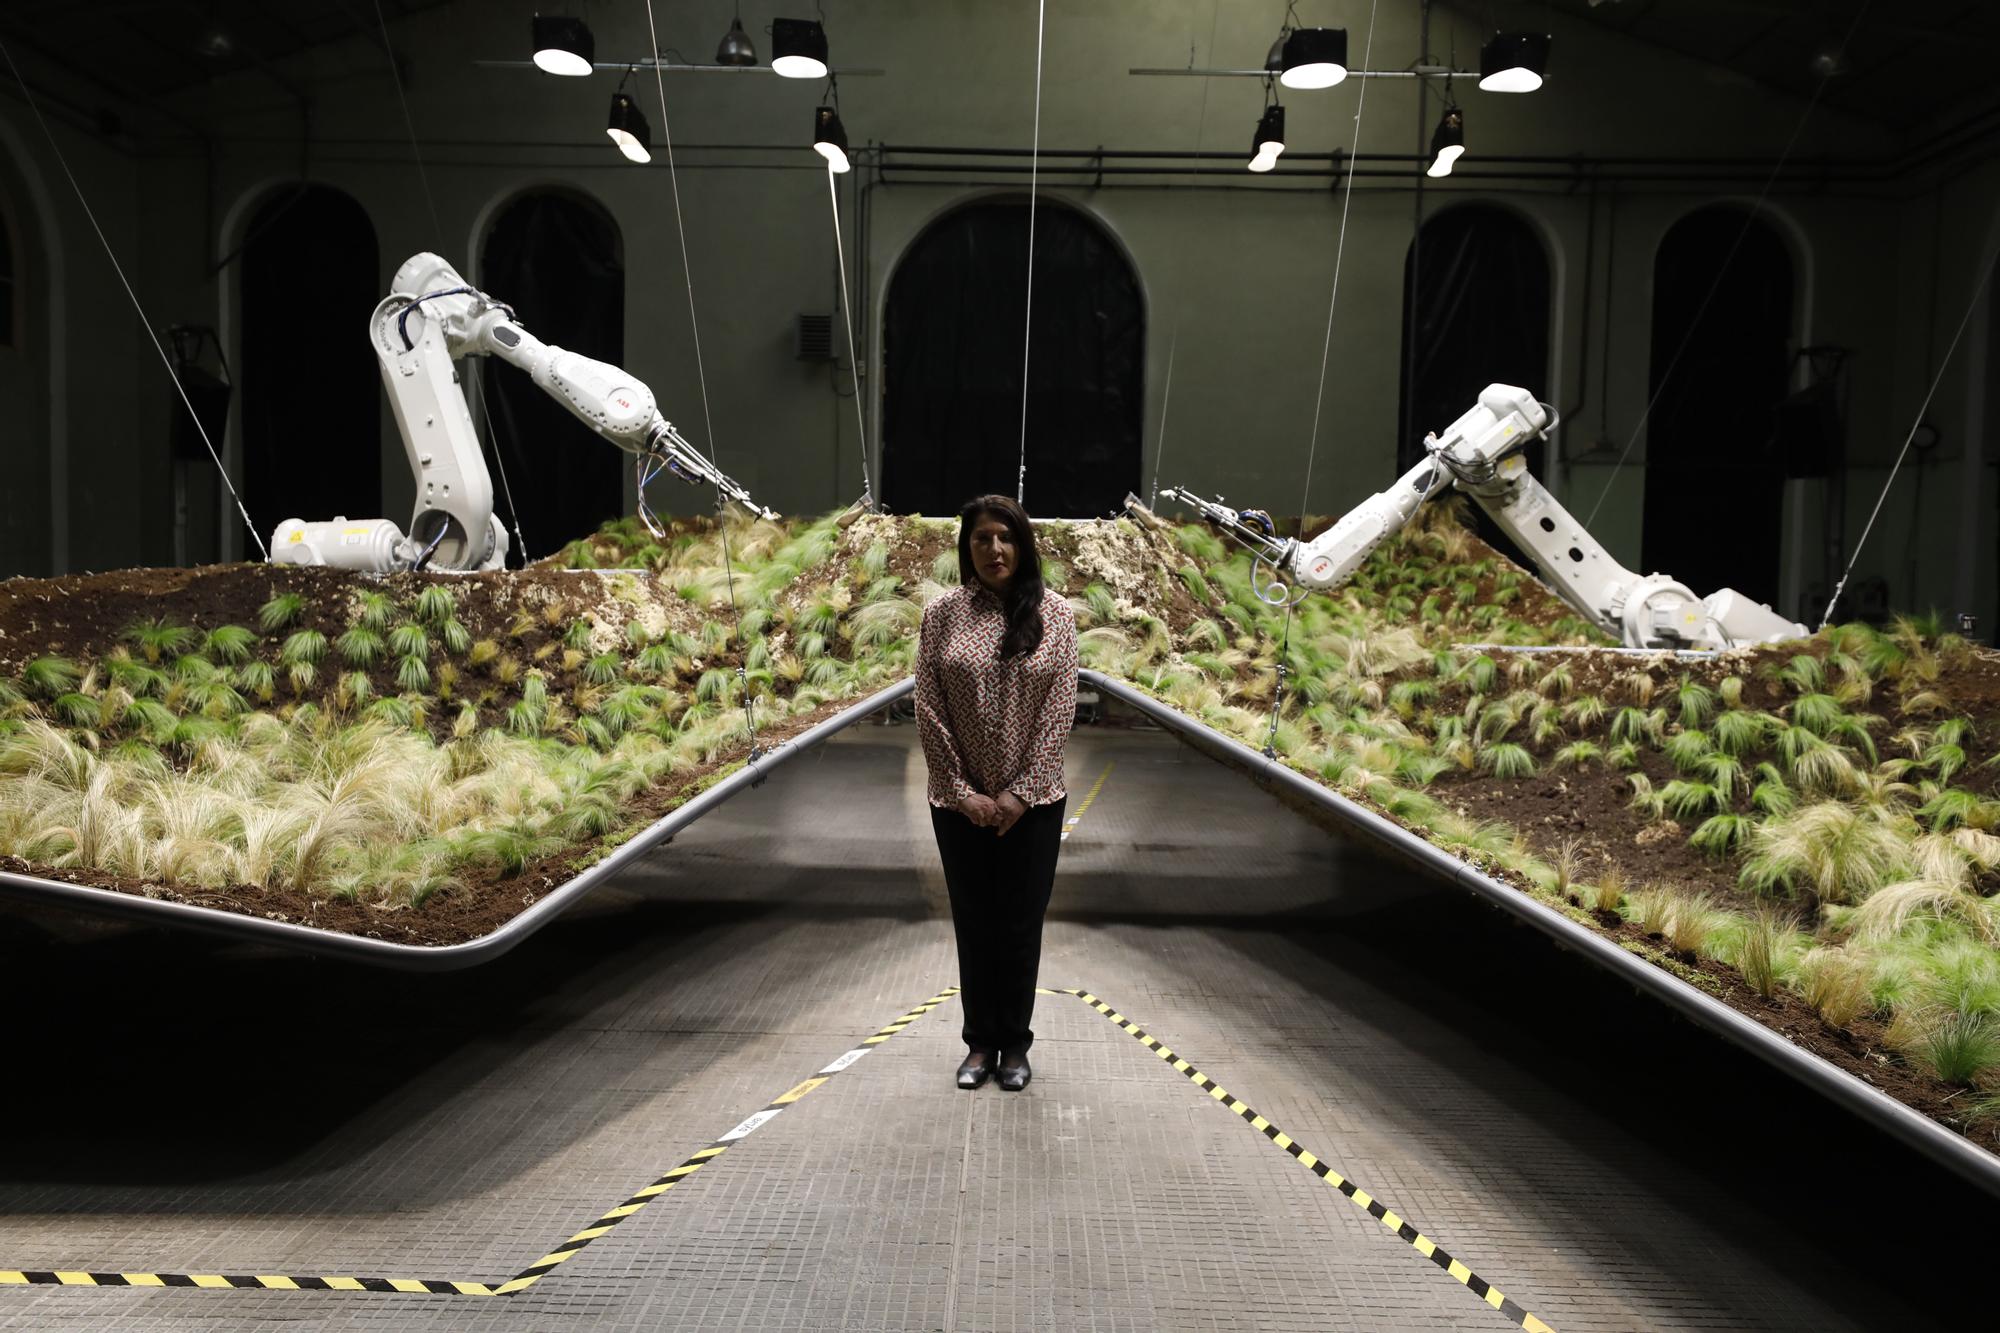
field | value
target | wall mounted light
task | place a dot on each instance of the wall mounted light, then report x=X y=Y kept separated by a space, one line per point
x=563 y=45
x=830 y=139
x=798 y=48
x=1514 y=62
x=1314 y=58
x=1447 y=142
x=1269 y=141
x=628 y=129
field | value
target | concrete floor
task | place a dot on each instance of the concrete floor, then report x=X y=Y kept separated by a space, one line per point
x=180 y=1105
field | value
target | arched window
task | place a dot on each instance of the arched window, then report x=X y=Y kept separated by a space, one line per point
x=1722 y=331
x=311 y=422
x=558 y=259
x=1475 y=312
x=9 y=318
x=952 y=333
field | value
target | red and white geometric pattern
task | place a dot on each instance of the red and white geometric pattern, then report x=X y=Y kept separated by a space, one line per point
x=990 y=726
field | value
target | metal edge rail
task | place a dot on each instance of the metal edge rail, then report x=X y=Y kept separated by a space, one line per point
x=1919 y=1131
x=450 y=957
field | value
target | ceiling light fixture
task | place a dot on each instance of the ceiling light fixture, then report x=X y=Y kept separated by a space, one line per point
x=798 y=48
x=628 y=129
x=1514 y=62
x=1269 y=141
x=830 y=140
x=564 y=45
x=736 y=48
x=1314 y=58
x=1447 y=142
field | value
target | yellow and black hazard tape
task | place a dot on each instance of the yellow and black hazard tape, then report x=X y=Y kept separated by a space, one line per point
x=1069 y=825
x=528 y=1276
x=1361 y=1198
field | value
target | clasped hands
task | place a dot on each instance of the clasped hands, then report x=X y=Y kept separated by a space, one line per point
x=998 y=813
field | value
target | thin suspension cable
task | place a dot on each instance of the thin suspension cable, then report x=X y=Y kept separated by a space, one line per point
x=1028 y=317
x=56 y=148
x=1174 y=342
x=853 y=360
x=409 y=124
x=1978 y=294
x=1319 y=397
x=1722 y=271
x=701 y=375
x=500 y=457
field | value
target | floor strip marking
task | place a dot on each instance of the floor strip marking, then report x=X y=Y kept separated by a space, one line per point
x=527 y=1277
x=1359 y=1197
x=1070 y=824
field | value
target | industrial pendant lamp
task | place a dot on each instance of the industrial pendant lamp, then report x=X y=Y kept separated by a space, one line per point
x=830 y=140
x=798 y=48
x=1269 y=140
x=563 y=45
x=1447 y=142
x=628 y=129
x=1514 y=62
x=736 y=48
x=1314 y=58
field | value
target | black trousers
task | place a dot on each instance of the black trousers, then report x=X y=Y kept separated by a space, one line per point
x=999 y=893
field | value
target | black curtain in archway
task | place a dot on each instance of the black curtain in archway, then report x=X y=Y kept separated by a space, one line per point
x=951 y=411
x=1714 y=472
x=311 y=422
x=1475 y=312
x=559 y=260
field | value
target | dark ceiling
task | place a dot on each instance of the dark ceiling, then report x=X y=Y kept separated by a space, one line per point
x=151 y=49
x=1908 y=62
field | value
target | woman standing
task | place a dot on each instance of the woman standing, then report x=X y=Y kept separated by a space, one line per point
x=996 y=693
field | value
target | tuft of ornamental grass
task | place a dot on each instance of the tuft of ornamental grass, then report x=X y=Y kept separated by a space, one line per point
x=160 y=638
x=1836 y=984
x=1891 y=908
x=1839 y=852
x=603 y=668
x=1695 y=701
x=1577 y=754
x=1957 y=1046
x=51 y=676
x=306 y=645
x=1504 y=759
x=1687 y=750
x=1692 y=923
x=409 y=640
x=281 y=610
x=1608 y=893
x=456 y=638
x=359 y=647
x=229 y=644
x=1719 y=835
x=434 y=604
x=1687 y=800
x=413 y=674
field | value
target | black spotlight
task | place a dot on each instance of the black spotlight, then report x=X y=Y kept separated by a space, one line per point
x=564 y=45
x=1514 y=62
x=1447 y=142
x=1269 y=141
x=1314 y=58
x=736 y=48
x=830 y=139
x=628 y=129
x=798 y=48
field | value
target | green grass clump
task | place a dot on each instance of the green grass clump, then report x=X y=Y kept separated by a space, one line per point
x=1506 y=760
x=281 y=610
x=359 y=647
x=161 y=638
x=51 y=676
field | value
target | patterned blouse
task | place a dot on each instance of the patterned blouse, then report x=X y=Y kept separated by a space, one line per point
x=990 y=726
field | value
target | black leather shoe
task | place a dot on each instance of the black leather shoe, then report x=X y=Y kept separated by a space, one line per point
x=1014 y=1071
x=978 y=1067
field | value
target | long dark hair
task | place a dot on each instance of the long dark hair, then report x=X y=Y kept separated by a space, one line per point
x=1023 y=600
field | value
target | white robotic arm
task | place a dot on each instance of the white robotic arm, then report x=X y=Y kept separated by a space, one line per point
x=1480 y=454
x=429 y=321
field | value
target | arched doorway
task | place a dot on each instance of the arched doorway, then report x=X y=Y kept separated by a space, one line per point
x=952 y=334
x=25 y=519
x=1475 y=312
x=1722 y=305
x=308 y=382
x=558 y=258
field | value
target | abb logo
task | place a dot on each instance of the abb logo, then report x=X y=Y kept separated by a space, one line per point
x=625 y=403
